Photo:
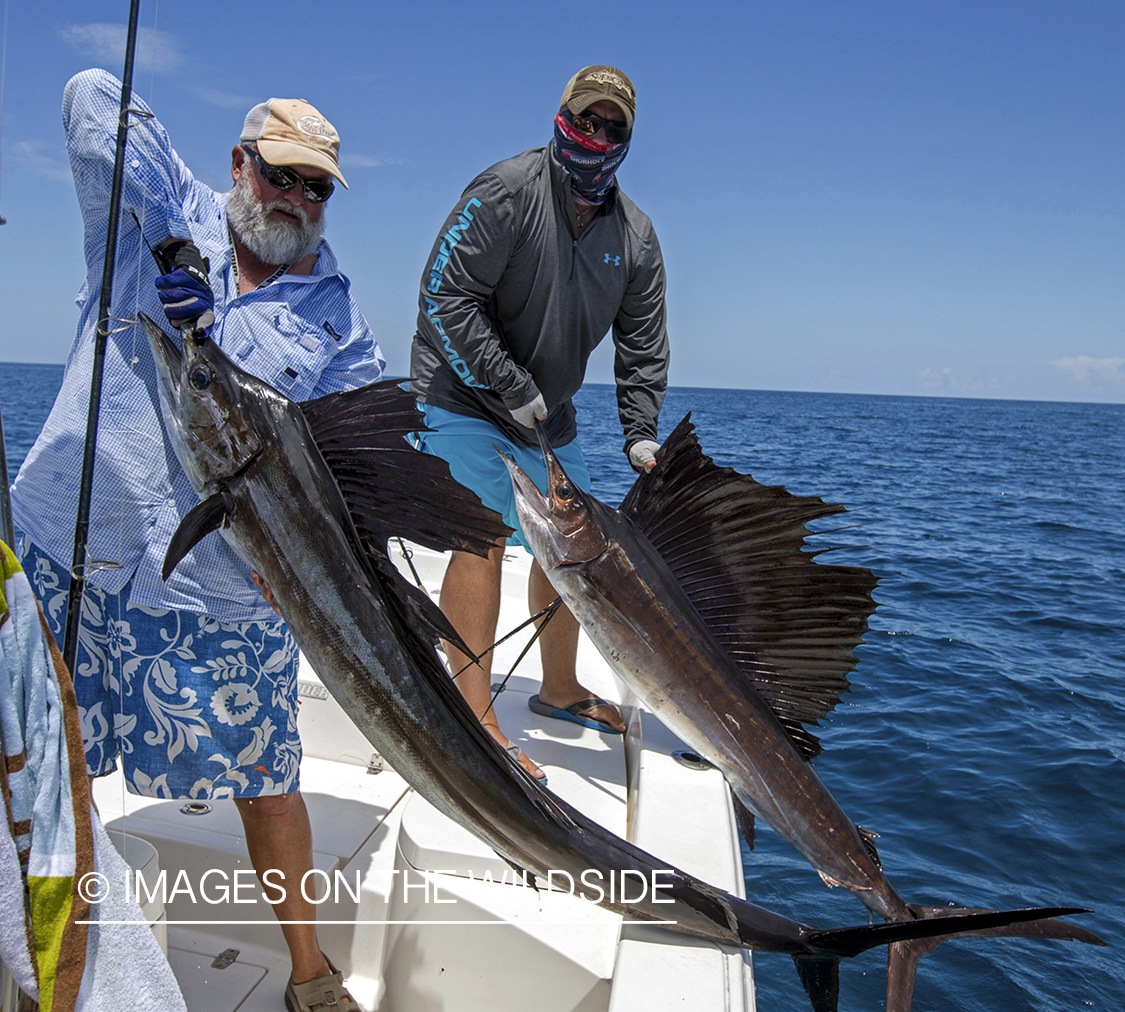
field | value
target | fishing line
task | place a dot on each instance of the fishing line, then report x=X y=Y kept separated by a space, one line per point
x=546 y=614
x=552 y=608
x=409 y=556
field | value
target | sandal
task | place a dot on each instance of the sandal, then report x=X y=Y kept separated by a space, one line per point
x=324 y=993
x=576 y=713
x=515 y=752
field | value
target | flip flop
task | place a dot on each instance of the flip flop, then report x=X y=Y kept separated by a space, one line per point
x=574 y=712
x=515 y=752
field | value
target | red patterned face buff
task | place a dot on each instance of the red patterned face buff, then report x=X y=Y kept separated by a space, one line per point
x=592 y=166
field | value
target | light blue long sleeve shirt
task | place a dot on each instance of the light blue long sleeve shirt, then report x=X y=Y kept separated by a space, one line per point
x=304 y=335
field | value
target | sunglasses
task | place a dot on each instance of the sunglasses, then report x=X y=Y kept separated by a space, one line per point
x=589 y=123
x=316 y=191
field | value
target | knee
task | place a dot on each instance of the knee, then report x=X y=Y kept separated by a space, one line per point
x=269 y=807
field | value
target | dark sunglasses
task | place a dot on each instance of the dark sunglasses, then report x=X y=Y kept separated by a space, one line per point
x=316 y=191
x=589 y=123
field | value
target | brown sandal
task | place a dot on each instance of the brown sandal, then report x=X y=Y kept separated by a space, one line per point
x=324 y=994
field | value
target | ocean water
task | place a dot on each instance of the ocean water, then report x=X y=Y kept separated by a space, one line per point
x=984 y=738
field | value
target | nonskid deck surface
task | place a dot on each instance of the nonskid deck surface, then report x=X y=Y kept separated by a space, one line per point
x=428 y=929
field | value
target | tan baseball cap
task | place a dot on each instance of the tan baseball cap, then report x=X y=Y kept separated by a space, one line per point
x=600 y=84
x=289 y=131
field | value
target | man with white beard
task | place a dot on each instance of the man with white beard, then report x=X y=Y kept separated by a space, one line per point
x=192 y=682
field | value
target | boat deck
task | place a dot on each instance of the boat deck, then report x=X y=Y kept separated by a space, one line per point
x=411 y=915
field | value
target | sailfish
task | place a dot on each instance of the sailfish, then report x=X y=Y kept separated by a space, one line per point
x=700 y=594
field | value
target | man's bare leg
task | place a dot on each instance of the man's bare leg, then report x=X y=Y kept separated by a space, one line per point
x=278 y=836
x=470 y=599
x=558 y=646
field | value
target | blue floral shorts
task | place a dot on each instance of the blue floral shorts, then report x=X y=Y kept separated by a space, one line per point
x=195 y=708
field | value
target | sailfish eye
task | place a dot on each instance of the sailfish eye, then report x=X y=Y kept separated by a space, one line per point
x=565 y=491
x=199 y=378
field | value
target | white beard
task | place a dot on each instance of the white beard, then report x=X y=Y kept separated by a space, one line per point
x=270 y=240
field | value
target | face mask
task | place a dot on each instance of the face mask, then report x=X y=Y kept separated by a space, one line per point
x=592 y=166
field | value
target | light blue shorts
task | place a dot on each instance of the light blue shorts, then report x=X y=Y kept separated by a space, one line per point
x=195 y=708
x=469 y=446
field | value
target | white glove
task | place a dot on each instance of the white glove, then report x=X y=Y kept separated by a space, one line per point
x=533 y=409
x=641 y=455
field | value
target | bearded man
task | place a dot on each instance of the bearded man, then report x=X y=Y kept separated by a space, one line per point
x=193 y=680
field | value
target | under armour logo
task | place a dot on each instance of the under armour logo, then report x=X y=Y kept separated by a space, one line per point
x=616 y=261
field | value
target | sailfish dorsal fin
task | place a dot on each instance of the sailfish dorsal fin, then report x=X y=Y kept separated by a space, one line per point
x=394 y=490
x=391 y=488
x=737 y=548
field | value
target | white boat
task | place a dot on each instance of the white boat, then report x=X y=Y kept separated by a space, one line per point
x=418 y=914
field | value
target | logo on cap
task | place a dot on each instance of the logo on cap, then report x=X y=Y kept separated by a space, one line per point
x=313 y=126
x=607 y=77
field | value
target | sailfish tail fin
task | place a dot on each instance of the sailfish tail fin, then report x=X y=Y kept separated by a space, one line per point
x=903 y=957
x=910 y=940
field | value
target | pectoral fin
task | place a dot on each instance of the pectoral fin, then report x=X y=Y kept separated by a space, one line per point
x=745 y=819
x=203 y=518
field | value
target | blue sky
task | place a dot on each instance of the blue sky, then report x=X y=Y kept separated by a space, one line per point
x=851 y=195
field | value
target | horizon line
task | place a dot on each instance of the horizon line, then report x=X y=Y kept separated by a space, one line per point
x=966 y=396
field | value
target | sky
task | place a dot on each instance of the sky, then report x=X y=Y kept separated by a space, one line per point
x=856 y=196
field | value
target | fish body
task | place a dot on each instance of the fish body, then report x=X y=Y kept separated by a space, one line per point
x=699 y=594
x=685 y=677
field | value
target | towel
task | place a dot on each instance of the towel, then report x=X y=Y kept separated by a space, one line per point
x=51 y=839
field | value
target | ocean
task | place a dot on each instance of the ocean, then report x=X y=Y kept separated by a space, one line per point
x=984 y=739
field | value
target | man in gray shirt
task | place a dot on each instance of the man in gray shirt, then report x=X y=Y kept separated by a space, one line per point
x=540 y=258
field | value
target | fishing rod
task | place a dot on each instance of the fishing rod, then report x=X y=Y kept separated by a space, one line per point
x=7 y=528
x=82 y=524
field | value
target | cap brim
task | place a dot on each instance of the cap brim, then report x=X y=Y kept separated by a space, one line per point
x=287 y=153
x=583 y=102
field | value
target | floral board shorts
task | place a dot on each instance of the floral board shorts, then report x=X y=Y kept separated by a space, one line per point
x=194 y=707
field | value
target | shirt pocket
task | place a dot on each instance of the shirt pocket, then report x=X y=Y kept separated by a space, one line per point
x=272 y=342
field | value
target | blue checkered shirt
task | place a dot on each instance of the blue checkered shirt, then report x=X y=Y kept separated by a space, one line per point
x=304 y=335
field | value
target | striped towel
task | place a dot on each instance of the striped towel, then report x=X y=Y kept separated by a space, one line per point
x=51 y=838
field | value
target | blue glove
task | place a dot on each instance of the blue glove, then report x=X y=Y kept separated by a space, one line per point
x=185 y=291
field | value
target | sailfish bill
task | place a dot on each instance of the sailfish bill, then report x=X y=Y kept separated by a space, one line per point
x=700 y=595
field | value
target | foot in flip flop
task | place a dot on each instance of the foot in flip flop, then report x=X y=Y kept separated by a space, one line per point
x=521 y=757
x=579 y=712
x=516 y=753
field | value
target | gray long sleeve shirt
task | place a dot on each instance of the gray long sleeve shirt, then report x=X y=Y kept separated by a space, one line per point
x=513 y=303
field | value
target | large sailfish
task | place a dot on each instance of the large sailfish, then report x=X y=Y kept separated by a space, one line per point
x=699 y=593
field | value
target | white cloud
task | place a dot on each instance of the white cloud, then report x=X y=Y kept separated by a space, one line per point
x=105 y=43
x=30 y=155
x=937 y=379
x=1097 y=373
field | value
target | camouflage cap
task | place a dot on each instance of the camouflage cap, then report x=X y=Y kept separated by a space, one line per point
x=600 y=84
x=289 y=131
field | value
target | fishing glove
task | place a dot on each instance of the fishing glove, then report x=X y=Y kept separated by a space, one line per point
x=532 y=410
x=641 y=453
x=185 y=291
